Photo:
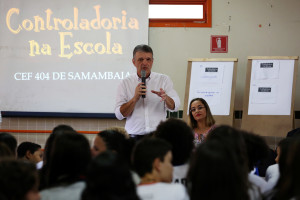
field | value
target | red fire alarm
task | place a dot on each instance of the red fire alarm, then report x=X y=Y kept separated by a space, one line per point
x=219 y=44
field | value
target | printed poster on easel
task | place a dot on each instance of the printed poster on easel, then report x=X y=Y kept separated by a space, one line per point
x=212 y=81
x=271 y=86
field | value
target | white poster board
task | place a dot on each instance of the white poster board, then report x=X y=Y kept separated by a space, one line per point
x=271 y=86
x=212 y=81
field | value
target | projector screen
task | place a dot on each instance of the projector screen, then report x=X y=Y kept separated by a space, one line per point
x=67 y=56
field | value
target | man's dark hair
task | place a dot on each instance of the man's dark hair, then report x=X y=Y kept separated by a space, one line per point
x=27 y=146
x=10 y=141
x=180 y=136
x=146 y=151
x=142 y=48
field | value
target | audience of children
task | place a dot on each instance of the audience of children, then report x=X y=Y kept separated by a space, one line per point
x=218 y=168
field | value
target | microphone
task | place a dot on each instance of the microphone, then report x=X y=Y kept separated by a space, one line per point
x=143 y=73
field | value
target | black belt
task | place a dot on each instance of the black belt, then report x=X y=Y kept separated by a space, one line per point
x=138 y=137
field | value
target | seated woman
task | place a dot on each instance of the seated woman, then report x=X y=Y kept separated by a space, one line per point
x=108 y=177
x=67 y=164
x=115 y=141
x=216 y=173
x=288 y=183
x=200 y=119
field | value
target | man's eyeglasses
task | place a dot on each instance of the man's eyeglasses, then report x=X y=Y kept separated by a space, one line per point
x=198 y=108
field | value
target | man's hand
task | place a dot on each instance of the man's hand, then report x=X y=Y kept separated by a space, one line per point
x=139 y=91
x=127 y=108
x=162 y=94
x=164 y=97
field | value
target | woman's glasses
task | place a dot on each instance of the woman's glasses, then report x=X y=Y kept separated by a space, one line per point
x=198 y=108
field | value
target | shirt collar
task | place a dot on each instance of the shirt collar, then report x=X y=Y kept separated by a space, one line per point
x=140 y=79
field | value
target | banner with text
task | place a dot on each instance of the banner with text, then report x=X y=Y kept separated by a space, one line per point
x=67 y=56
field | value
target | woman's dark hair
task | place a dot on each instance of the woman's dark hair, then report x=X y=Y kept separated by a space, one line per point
x=215 y=173
x=257 y=149
x=180 y=136
x=108 y=177
x=209 y=121
x=234 y=138
x=69 y=157
x=288 y=184
x=60 y=129
x=116 y=141
x=284 y=151
x=10 y=141
x=18 y=177
x=5 y=152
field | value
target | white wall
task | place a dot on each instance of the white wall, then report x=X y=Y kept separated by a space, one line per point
x=279 y=35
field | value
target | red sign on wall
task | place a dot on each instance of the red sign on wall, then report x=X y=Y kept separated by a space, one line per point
x=219 y=44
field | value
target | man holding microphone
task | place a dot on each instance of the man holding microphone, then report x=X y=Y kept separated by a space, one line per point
x=144 y=98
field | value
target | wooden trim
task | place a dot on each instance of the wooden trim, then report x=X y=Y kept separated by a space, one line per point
x=174 y=2
x=273 y=57
x=213 y=59
x=187 y=92
x=205 y=22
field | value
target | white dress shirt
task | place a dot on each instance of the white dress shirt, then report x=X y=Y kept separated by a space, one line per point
x=272 y=176
x=162 y=191
x=149 y=111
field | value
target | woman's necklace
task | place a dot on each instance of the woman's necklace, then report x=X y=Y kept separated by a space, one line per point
x=201 y=130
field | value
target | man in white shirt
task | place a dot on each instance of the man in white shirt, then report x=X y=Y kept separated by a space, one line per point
x=152 y=160
x=144 y=114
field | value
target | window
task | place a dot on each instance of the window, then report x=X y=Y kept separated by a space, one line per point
x=180 y=13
